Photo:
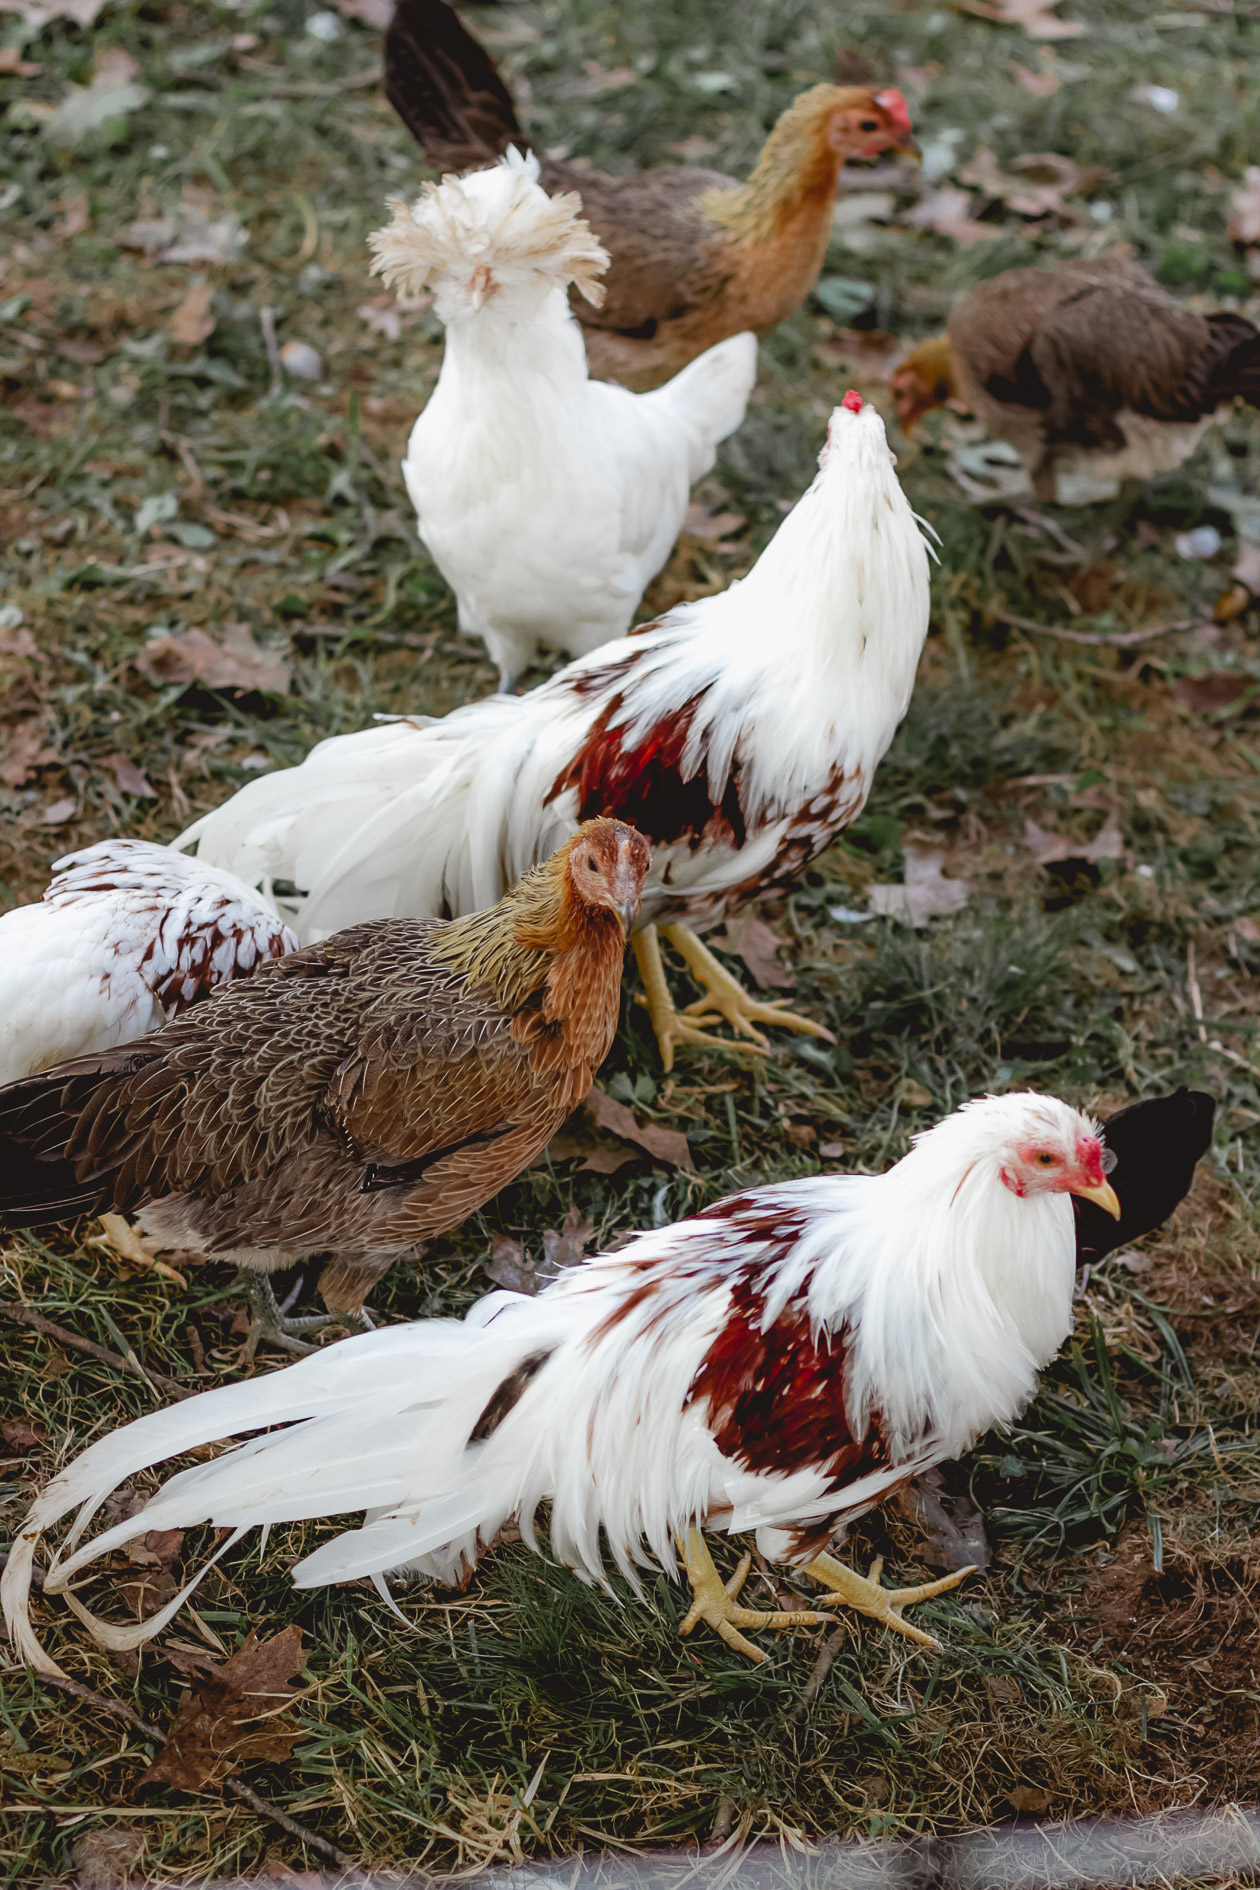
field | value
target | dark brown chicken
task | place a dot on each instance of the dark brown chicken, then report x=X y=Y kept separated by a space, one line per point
x=355 y=1097
x=1090 y=366
x=696 y=256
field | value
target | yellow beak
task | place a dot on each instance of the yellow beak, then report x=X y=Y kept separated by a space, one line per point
x=1104 y=1195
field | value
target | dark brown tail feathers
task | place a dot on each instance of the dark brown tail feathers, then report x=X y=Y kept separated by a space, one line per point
x=445 y=88
x=1235 y=371
x=44 y=1176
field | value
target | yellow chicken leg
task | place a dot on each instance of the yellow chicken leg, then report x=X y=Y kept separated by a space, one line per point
x=865 y=1593
x=122 y=1238
x=715 y=1600
x=726 y=997
x=670 y=1027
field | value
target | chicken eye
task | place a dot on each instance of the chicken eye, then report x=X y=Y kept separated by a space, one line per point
x=868 y=124
x=1047 y=1160
x=592 y=864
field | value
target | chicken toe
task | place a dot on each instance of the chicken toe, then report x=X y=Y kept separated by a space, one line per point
x=724 y=996
x=867 y=1594
x=716 y=1602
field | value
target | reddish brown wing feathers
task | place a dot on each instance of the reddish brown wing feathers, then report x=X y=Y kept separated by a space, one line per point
x=643 y=783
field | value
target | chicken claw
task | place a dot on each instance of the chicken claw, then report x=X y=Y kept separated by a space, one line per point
x=715 y=1600
x=726 y=997
x=671 y=1026
x=868 y=1596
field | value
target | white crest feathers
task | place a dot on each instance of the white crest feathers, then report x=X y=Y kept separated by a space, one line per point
x=496 y=219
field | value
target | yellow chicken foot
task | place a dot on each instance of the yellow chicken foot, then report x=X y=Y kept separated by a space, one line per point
x=726 y=997
x=715 y=1600
x=864 y=1592
x=671 y=1029
x=122 y=1238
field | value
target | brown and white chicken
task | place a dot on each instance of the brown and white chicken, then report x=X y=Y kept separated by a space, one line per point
x=696 y=256
x=355 y=1097
x=740 y=733
x=1089 y=367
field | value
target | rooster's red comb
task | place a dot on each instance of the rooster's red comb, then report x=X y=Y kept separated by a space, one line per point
x=853 y=401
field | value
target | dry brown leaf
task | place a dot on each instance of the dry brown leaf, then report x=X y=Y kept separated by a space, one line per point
x=19 y=1436
x=228 y=1717
x=1034 y=184
x=710 y=526
x=1218 y=689
x=600 y=80
x=374 y=13
x=1049 y=849
x=831 y=1151
x=565 y=1246
x=600 y=1130
x=26 y=748
x=112 y=92
x=1244 y=222
x=758 y=944
x=1035 y=16
x=82 y=352
x=1042 y=84
x=562 y=1247
x=192 y=234
x=925 y=893
x=951 y=1526
x=16 y=640
x=37 y=13
x=192 y=321
x=108 y=1859
x=948 y=213
x=508 y=1267
x=130 y=778
x=238 y=663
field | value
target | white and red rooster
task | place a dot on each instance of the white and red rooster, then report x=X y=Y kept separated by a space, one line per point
x=780 y=1362
x=127 y=936
x=740 y=734
x=548 y=500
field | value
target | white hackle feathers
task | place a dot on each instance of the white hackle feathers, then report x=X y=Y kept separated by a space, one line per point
x=496 y=225
x=739 y=733
x=127 y=935
x=548 y=500
x=904 y=1313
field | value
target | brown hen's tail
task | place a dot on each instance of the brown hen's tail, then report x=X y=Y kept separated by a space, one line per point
x=1234 y=372
x=445 y=88
x=50 y=1170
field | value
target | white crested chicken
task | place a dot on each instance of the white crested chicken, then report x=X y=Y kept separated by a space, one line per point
x=780 y=1363
x=548 y=500
x=740 y=733
x=1089 y=367
x=696 y=256
x=355 y=1097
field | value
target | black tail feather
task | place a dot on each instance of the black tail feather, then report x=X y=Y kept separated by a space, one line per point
x=1157 y=1145
x=445 y=88
x=1235 y=368
x=44 y=1176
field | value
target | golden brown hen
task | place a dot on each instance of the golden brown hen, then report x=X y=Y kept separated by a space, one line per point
x=1090 y=366
x=355 y=1097
x=696 y=256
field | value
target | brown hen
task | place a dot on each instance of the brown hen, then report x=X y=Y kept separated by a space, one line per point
x=356 y=1097
x=696 y=256
x=1088 y=367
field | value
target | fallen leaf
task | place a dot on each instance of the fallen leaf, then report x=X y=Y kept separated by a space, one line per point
x=949 y=1522
x=160 y=1548
x=192 y=321
x=1231 y=603
x=13 y=66
x=238 y=663
x=709 y=526
x=37 y=13
x=382 y=317
x=190 y=235
x=508 y=1267
x=692 y=149
x=112 y=92
x=1033 y=185
x=925 y=893
x=16 y=640
x=1218 y=689
x=75 y=218
x=1244 y=223
x=831 y=1151
x=947 y=212
x=1035 y=16
x=604 y=1155
x=26 y=748
x=565 y=1246
x=82 y=352
x=20 y=1435
x=229 y=1715
x=374 y=13
x=600 y=80
x=1247 y=567
x=130 y=778
x=758 y=944
x=106 y=1859
x=57 y=813
x=913 y=1094
x=1049 y=849
x=1042 y=84
x=1028 y=1800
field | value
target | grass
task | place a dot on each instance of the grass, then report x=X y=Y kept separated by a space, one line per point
x=149 y=486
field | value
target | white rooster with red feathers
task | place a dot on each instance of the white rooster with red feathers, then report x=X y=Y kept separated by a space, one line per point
x=779 y=1363
x=739 y=733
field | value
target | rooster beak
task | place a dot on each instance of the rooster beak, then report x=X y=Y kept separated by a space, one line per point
x=909 y=147
x=481 y=285
x=628 y=912
x=1103 y=1195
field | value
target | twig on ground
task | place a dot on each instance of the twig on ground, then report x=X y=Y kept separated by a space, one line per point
x=120 y=1710
x=24 y=1316
x=818 y=1673
x=1116 y=639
